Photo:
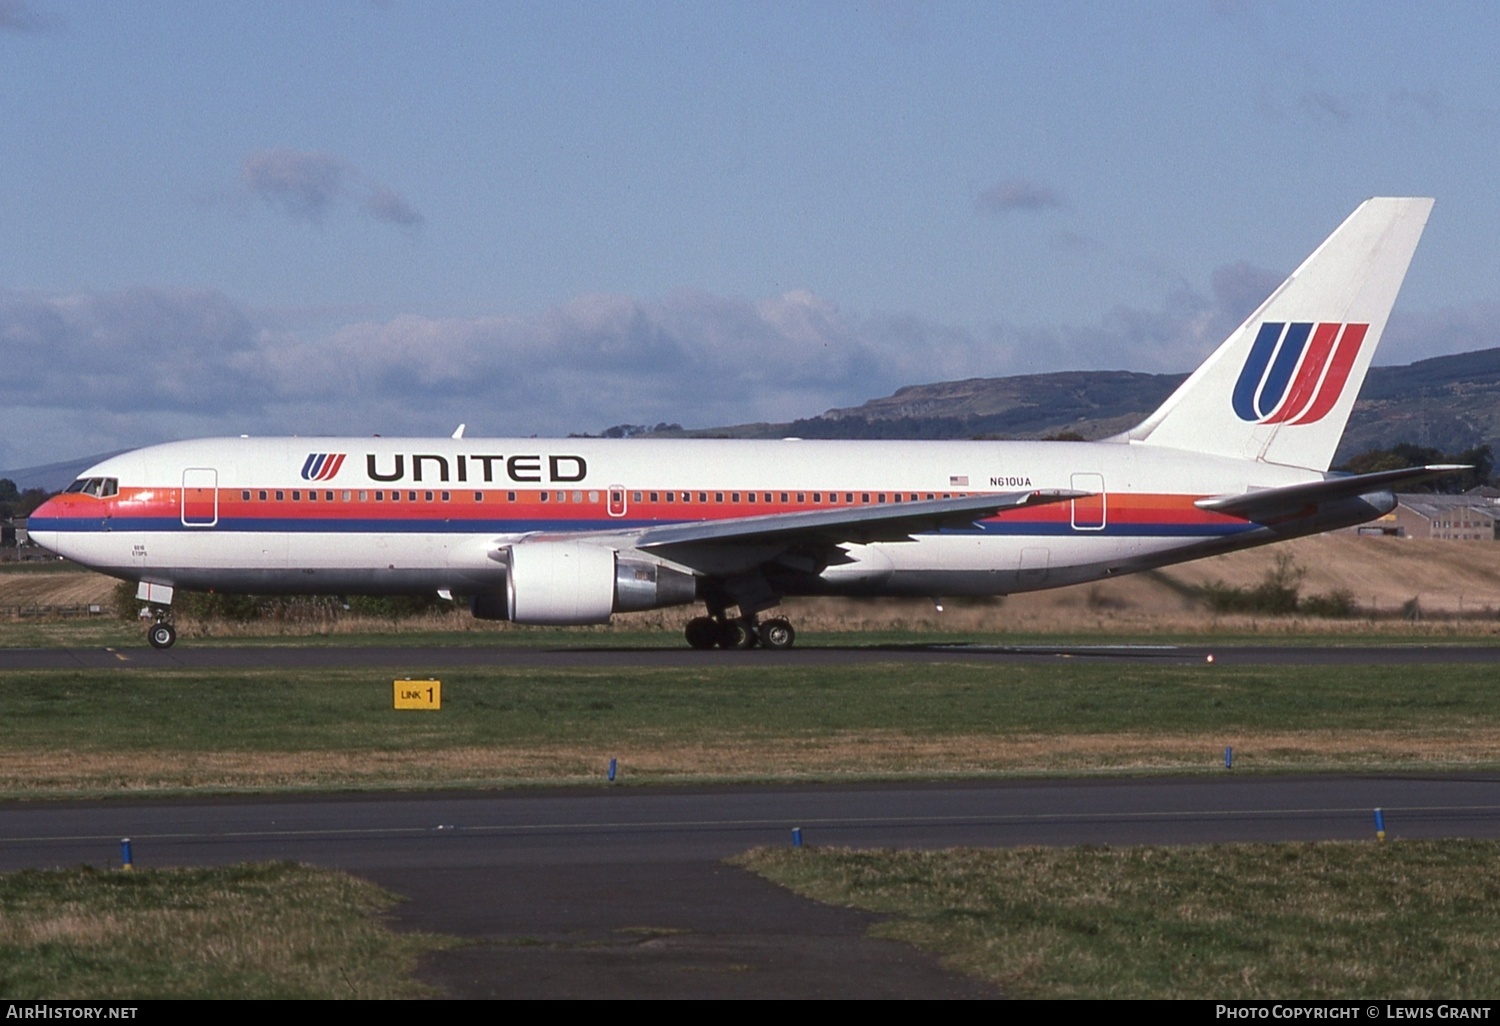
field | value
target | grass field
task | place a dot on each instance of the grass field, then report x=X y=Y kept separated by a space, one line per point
x=273 y=930
x=1410 y=919
x=93 y=733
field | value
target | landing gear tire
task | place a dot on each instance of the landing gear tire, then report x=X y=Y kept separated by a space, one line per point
x=162 y=635
x=702 y=632
x=777 y=634
x=736 y=634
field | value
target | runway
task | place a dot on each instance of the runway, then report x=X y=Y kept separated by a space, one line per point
x=622 y=892
x=204 y=656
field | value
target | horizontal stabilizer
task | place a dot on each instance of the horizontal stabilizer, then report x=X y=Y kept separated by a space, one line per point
x=889 y=522
x=1270 y=504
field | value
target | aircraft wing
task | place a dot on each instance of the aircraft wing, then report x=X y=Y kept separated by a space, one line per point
x=1265 y=505
x=896 y=521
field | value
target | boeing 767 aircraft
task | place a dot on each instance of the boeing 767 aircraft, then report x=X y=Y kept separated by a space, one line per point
x=571 y=531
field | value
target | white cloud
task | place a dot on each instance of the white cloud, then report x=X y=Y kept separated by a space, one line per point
x=96 y=372
x=307 y=185
x=1017 y=194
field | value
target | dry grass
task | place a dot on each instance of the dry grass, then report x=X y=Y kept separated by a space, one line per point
x=1455 y=585
x=258 y=931
x=1410 y=919
x=56 y=588
x=886 y=754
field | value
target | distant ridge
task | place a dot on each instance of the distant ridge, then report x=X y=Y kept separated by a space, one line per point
x=1450 y=403
x=54 y=477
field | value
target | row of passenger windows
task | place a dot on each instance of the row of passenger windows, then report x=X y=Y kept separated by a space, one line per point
x=395 y=495
x=849 y=498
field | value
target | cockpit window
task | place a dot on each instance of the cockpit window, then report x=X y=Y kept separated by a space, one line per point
x=100 y=487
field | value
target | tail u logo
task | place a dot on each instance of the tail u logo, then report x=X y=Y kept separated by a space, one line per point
x=1296 y=372
x=322 y=466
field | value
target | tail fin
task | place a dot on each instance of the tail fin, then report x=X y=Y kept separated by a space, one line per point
x=1281 y=387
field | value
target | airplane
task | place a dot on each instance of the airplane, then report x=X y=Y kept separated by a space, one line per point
x=572 y=531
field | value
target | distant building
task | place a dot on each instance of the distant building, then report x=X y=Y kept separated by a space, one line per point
x=1469 y=517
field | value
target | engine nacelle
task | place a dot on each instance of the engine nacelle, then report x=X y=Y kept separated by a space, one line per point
x=564 y=583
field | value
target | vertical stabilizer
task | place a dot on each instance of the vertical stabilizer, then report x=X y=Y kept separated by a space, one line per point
x=1281 y=387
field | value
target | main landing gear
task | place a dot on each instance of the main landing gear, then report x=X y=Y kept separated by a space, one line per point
x=739 y=633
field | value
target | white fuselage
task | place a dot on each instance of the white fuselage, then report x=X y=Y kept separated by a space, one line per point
x=375 y=515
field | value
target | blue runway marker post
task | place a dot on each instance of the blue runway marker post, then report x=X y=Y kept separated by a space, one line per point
x=126 y=862
x=1379 y=825
x=1228 y=757
x=611 y=771
x=796 y=837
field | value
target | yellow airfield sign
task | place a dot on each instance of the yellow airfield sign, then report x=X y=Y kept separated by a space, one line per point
x=418 y=694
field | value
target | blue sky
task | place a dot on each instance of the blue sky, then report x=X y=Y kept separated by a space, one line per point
x=354 y=217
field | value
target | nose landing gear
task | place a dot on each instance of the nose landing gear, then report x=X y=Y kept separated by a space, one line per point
x=162 y=635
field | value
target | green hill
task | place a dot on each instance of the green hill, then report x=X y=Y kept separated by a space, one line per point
x=1448 y=402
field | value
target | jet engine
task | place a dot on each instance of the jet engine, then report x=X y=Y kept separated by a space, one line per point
x=562 y=583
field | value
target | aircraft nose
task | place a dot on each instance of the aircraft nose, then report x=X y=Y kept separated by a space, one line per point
x=42 y=525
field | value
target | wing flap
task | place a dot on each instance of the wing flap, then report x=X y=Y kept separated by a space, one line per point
x=861 y=524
